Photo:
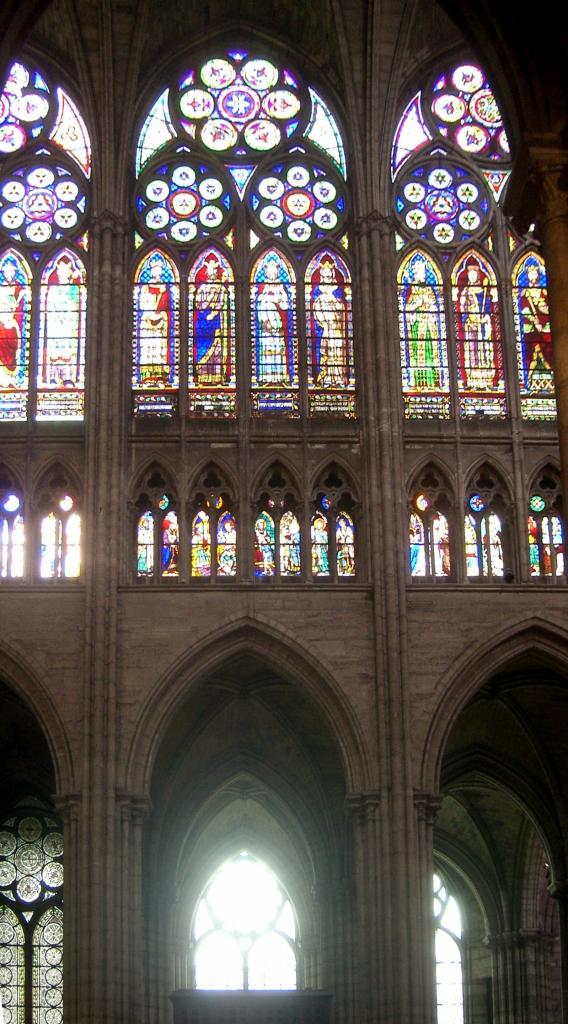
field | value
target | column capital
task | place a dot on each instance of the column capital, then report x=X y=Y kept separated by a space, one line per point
x=374 y=221
x=67 y=806
x=362 y=807
x=427 y=805
x=549 y=170
x=135 y=806
x=109 y=221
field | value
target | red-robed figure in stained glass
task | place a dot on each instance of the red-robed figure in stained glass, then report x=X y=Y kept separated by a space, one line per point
x=477 y=327
x=535 y=326
x=155 y=324
x=211 y=348
x=14 y=298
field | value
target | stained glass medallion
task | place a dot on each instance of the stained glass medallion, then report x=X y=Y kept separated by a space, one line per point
x=464 y=110
x=41 y=202
x=299 y=201
x=182 y=201
x=442 y=201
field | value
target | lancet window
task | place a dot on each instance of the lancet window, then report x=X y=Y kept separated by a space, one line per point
x=450 y=166
x=546 y=526
x=157 y=530
x=277 y=534
x=12 y=529
x=449 y=954
x=333 y=527
x=213 y=528
x=430 y=549
x=242 y=214
x=487 y=547
x=45 y=167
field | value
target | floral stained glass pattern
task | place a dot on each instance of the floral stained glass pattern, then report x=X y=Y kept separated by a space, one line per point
x=212 y=355
x=42 y=202
x=12 y=960
x=441 y=201
x=422 y=324
x=299 y=201
x=481 y=381
x=465 y=111
x=15 y=314
x=156 y=334
x=47 y=972
x=61 y=363
x=331 y=378
x=275 y=346
x=534 y=341
x=183 y=201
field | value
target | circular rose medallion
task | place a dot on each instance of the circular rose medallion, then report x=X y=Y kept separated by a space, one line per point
x=53 y=997
x=5 y=976
x=262 y=135
x=210 y=188
x=53 y=874
x=467 y=78
x=325 y=219
x=472 y=138
x=416 y=219
x=184 y=177
x=29 y=858
x=12 y=137
x=483 y=107
x=183 y=232
x=53 y=933
x=219 y=135
x=439 y=178
x=469 y=220
x=65 y=218
x=14 y=191
x=196 y=103
x=53 y=976
x=281 y=104
x=443 y=233
x=157 y=219
x=299 y=231
x=537 y=503
x=298 y=204
x=441 y=205
x=5 y=955
x=239 y=103
x=7 y=874
x=448 y=108
x=28 y=889
x=53 y=844
x=468 y=192
x=211 y=216
x=39 y=204
x=53 y=956
x=271 y=188
x=414 y=192
x=13 y=218
x=53 y=1017
x=66 y=191
x=157 y=190
x=31 y=107
x=272 y=217
x=324 y=191
x=217 y=73
x=298 y=177
x=260 y=74
x=6 y=932
x=41 y=177
x=183 y=203
x=422 y=502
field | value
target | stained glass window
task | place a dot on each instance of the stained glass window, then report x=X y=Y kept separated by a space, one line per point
x=201 y=544
x=11 y=535
x=238 y=151
x=60 y=535
x=329 y=336
x=481 y=381
x=534 y=341
x=333 y=528
x=157 y=534
x=264 y=545
x=31 y=920
x=423 y=346
x=289 y=545
x=213 y=541
x=483 y=539
x=45 y=164
x=156 y=334
x=274 y=338
x=449 y=970
x=429 y=539
x=320 y=544
x=345 y=544
x=212 y=351
x=244 y=932
x=546 y=526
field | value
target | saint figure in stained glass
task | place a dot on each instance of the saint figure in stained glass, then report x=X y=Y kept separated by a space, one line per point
x=534 y=322
x=345 y=544
x=289 y=545
x=477 y=325
x=264 y=549
x=226 y=545
x=145 y=545
x=155 y=323
x=211 y=337
x=423 y=324
x=273 y=319
x=417 y=546
x=14 y=319
x=170 y=544
x=320 y=550
x=201 y=545
x=63 y=323
x=329 y=325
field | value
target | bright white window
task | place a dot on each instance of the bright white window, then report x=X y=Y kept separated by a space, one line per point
x=449 y=976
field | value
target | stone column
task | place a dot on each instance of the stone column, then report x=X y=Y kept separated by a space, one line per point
x=370 y=929
x=520 y=960
x=559 y=892
x=68 y=807
x=132 y=811
x=551 y=167
x=427 y=806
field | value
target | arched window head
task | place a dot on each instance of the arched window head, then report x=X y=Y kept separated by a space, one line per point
x=535 y=358
x=423 y=345
x=213 y=552
x=31 y=919
x=277 y=534
x=546 y=526
x=244 y=933
x=333 y=527
x=429 y=530
x=45 y=165
x=485 y=527
x=481 y=381
x=157 y=530
x=449 y=968
x=60 y=528
x=12 y=535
